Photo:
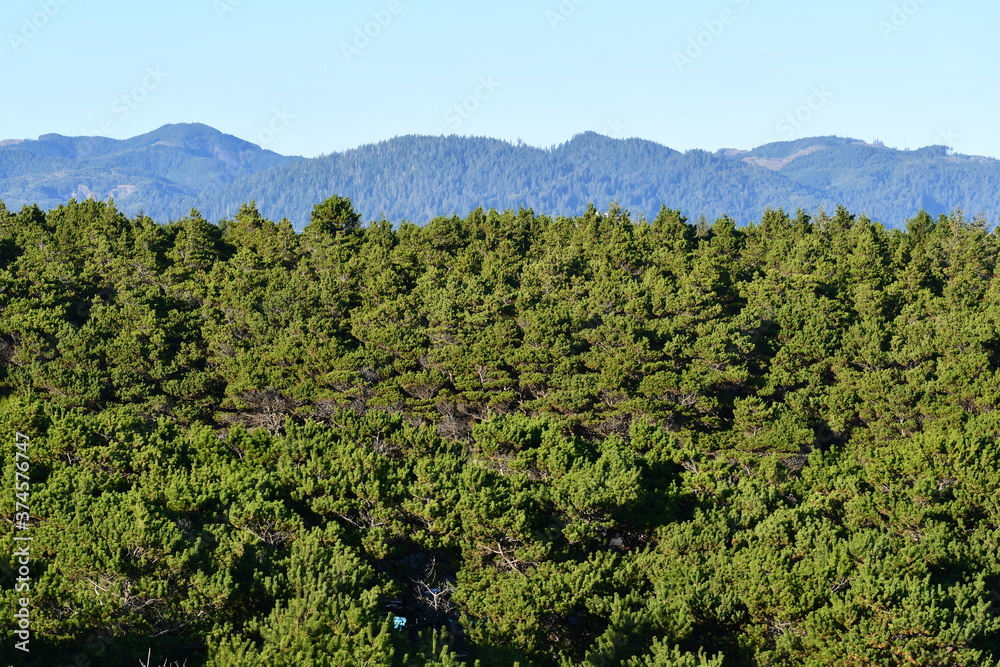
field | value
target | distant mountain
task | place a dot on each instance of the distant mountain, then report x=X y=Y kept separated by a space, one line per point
x=415 y=178
x=164 y=172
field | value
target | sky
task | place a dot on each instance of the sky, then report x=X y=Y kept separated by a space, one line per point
x=311 y=77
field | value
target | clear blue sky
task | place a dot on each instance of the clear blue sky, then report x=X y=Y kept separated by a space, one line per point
x=910 y=73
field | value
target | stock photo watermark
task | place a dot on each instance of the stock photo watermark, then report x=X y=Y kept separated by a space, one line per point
x=34 y=24
x=126 y=103
x=900 y=16
x=23 y=580
x=796 y=119
x=22 y=541
x=370 y=31
x=280 y=121
x=949 y=138
x=714 y=29
x=615 y=128
x=226 y=7
x=462 y=111
x=563 y=13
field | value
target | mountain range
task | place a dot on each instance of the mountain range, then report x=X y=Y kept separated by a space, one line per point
x=167 y=172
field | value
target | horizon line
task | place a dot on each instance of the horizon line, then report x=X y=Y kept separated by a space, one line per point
x=519 y=143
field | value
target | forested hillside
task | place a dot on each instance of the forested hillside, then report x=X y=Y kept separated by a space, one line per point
x=166 y=172
x=504 y=438
x=417 y=178
x=163 y=173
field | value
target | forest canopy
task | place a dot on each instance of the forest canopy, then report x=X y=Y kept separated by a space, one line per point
x=503 y=438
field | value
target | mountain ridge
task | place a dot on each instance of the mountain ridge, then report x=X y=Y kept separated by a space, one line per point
x=170 y=170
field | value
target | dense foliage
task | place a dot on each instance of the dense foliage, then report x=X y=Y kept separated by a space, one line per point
x=168 y=171
x=504 y=439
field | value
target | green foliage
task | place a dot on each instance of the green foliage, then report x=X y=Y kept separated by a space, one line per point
x=333 y=217
x=504 y=439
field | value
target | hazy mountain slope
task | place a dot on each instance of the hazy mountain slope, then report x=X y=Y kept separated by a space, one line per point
x=416 y=178
x=162 y=172
x=881 y=181
x=884 y=183
x=170 y=170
